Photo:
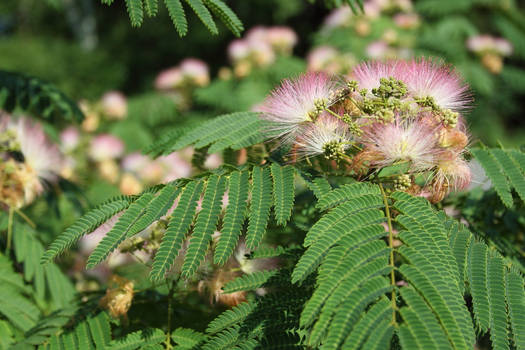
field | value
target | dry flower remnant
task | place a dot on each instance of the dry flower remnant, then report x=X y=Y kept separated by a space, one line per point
x=397 y=122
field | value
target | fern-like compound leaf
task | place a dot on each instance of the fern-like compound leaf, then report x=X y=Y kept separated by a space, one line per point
x=178 y=226
x=512 y=170
x=100 y=330
x=139 y=338
x=495 y=173
x=259 y=206
x=283 y=192
x=478 y=284
x=515 y=295
x=120 y=231
x=156 y=208
x=151 y=7
x=250 y=281
x=135 y=12
x=177 y=15
x=219 y=133
x=187 y=338
x=36 y=96
x=204 y=15
x=498 y=306
x=230 y=317
x=234 y=217
x=227 y=16
x=206 y=224
x=86 y=224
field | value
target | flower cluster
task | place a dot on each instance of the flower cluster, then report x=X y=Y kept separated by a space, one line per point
x=491 y=50
x=400 y=115
x=330 y=60
x=28 y=161
x=191 y=72
x=260 y=47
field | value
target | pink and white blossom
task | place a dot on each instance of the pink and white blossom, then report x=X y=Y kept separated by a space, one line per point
x=105 y=147
x=292 y=104
x=326 y=130
x=404 y=140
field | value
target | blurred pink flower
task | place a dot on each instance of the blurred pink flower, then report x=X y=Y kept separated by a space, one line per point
x=114 y=105
x=69 y=138
x=196 y=71
x=169 y=79
x=105 y=146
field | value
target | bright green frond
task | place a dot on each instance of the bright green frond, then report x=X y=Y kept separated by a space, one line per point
x=260 y=205
x=178 y=226
x=206 y=224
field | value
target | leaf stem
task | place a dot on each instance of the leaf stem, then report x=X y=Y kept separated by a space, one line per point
x=170 y=311
x=9 y=230
x=391 y=245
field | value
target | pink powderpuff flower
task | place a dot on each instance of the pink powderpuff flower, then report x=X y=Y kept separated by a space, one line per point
x=327 y=130
x=340 y=17
x=377 y=50
x=368 y=74
x=282 y=38
x=403 y=140
x=42 y=161
x=503 y=47
x=452 y=174
x=105 y=147
x=196 y=71
x=428 y=78
x=114 y=105
x=487 y=43
x=176 y=166
x=238 y=50
x=134 y=162
x=39 y=152
x=320 y=57
x=291 y=105
x=69 y=138
x=169 y=79
x=407 y=20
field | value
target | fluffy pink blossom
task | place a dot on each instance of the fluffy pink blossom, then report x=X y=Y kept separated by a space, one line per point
x=377 y=50
x=409 y=140
x=238 y=49
x=326 y=130
x=292 y=104
x=452 y=174
x=169 y=79
x=407 y=20
x=42 y=161
x=282 y=38
x=196 y=71
x=368 y=74
x=69 y=138
x=105 y=147
x=39 y=152
x=114 y=105
x=427 y=78
x=339 y=17
x=488 y=43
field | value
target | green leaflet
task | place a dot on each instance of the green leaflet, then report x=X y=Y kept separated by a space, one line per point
x=205 y=226
x=86 y=224
x=178 y=226
x=120 y=231
x=283 y=192
x=234 y=217
x=259 y=206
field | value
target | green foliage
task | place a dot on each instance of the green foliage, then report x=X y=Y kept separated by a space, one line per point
x=137 y=213
x=35 y=96
x=506 y=170
x=218 y=133
x=177 y=13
